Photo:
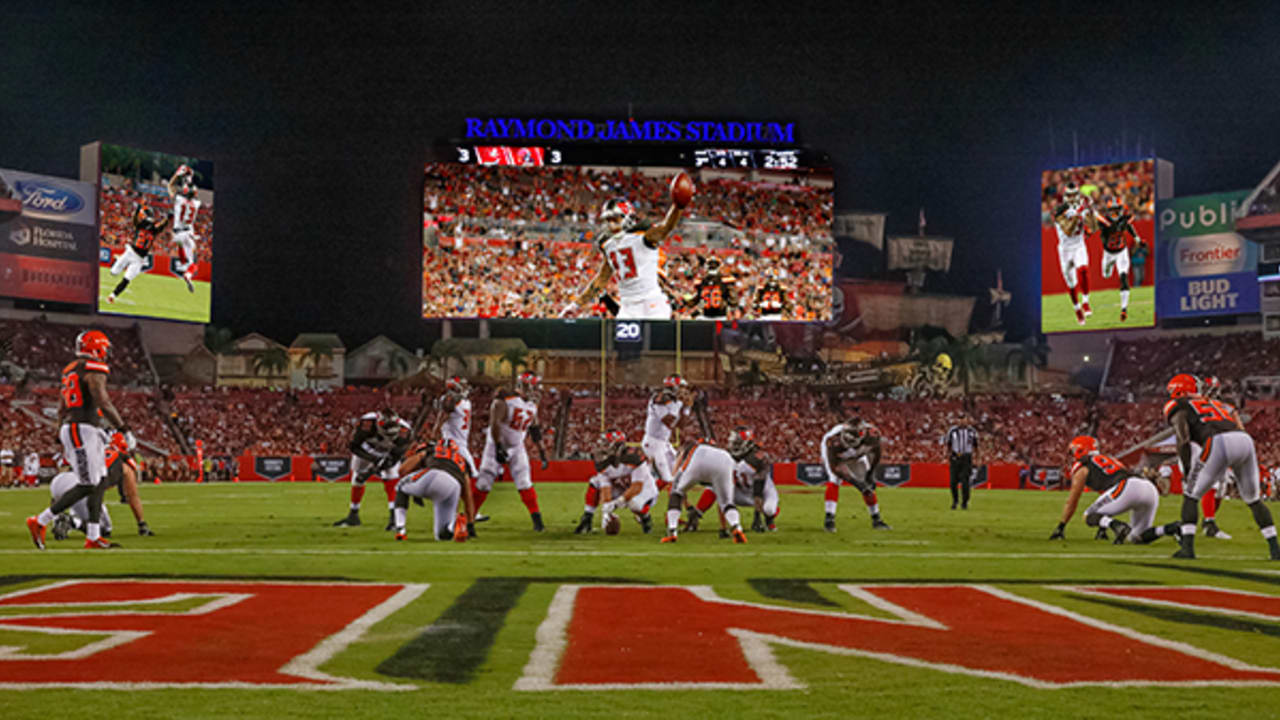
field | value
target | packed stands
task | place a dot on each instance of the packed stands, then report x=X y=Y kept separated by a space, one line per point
x=43 y=348
x=1143 y=367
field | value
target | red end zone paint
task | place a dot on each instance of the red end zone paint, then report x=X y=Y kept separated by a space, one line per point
x=677 y=637
x=1229 y=602
x=244 y=634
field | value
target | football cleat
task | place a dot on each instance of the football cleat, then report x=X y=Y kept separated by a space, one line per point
x=145 y=530
x=37 y=532
x=646 y=524
x=1122 y=530
x=1085 y=307
x=1124 y=315
x=351 y=520
x=460 y=528
x=829 y=523
x=668 y=538
x=62 y=527
x=1079 y=317
x=584 y=525
x=481 y=518
x=1101 y=534
x=400 y=535
x=1212 y=530
x=695 y=517
x=724 y=534
x=100 y=544
x=739 y=537
x=391 y=520
x=1185 y=554
x=878 y=524
x=186 y=279
x=537 y=521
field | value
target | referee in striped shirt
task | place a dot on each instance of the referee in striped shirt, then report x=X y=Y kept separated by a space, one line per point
x=961 y=441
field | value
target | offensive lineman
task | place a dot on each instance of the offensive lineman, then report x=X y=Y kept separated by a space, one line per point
x=512 y=415
x=623 y=477
x=84 y=395
x=1074 y=220
x=1112 y=226
x=377 y=446
x=632 y=254
x=752 y=484
x=1119 y=490
x=707 y=465
x=182 y=192
x=146 y=226
x=454 y=421
x=1211 y=439
x=437 y=473
x=667 y=407
x=850 y=453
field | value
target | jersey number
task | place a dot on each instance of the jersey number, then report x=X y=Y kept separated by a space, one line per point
x=624 y=263
x=71 y=396
x=1211 y=410
x=520 y=420
x=1108 y=465
x=712 y=297
x=188 y=214
x=466 y=420
x=448 y=450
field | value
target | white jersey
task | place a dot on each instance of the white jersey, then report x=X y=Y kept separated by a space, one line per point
x=654 y=427
x=1077 y=215
x=744 y=476
x=635 y=266
x=457 y=426
x=31 y=464
x=521 y=414
x=184 y=212
x=6 y=457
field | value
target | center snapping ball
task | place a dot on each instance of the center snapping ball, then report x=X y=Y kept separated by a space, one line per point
x=613 y=525
x=681 y=190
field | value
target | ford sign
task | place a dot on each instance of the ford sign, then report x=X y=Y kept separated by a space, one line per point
x=48 y=199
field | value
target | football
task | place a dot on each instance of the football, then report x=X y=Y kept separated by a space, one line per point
x=613 y=525
x=681 y=190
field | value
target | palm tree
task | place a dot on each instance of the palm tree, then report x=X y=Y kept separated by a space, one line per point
x=316 y=353
x=219 y=340
x=272 y=361
x=515 y=356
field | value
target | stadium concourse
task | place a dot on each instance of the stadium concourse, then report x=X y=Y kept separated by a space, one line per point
x=790 y=419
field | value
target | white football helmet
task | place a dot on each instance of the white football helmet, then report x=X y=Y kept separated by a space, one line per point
x=619 y=209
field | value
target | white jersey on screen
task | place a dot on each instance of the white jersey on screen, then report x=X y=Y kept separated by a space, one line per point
x=635 y=267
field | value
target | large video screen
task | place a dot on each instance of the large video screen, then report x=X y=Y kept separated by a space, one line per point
x=1097 y=247
x=545 y=233
x=155 y=250
x=47 y=243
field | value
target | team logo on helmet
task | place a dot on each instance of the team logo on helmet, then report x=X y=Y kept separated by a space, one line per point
x=1210 y=386
x=93 y=343
x=1071 y=194
x=674 y=382
x=1083 y=445
x=457 y=384
x=742 y=440
x=528 y=383
x=619 y=209
x=1183 y=385
x=388 y=422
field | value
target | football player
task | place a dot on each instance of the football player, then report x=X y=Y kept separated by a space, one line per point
x=1113 y=226
x=752 y=484
x=850 y=453
x=454 y=420
x=378 y=444
x=1119 y=490
x=512 y=415
x=770 y=302
x=83 y=398
x=1211 y=438
x=146 y=226
x=1073 y=220
x=667 y=407
x=701 y=463
x=632 y=253
x=1210 y=387
x=715 y=296
x=122 y=470
x=437 y=473
x=622 y=477
x=182 y=193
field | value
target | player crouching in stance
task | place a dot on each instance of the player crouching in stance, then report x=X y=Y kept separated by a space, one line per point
x=377 y=446
x=850 y=453
x=622 y=477
x=1212 y=439
x=1119 y=490
x=752 y=485
x=439 y=474
x=512 y=415
x=704 y=464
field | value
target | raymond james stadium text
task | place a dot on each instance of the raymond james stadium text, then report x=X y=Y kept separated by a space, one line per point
x=648 y=130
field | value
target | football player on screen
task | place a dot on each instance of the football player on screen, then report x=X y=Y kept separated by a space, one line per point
x=770 y=302
x=1113 y=225
x=146 y=226
x=633 y=254
x=182 y=192
x=716 y=294
x=1074 y=219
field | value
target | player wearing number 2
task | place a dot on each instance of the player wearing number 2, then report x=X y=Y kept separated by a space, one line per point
x=512 y=415
x=632 y=254
x=1212 y=439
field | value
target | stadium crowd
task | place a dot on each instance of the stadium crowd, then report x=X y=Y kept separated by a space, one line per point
x=1232 y=358
x=40 y=348
x=1132 y=182
x=486 y=244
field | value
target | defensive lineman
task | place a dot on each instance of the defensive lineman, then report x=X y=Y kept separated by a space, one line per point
x=1119 y=490
x=437 y=473
x=752 y=484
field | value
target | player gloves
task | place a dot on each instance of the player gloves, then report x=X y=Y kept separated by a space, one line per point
x=1060 y=533
x=500 y=455
x=130 y=440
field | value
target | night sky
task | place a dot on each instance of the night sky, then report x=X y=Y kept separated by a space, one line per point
x=318 y=122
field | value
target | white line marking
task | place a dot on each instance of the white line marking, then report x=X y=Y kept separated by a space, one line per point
x=1216 y=609
x=540 y=671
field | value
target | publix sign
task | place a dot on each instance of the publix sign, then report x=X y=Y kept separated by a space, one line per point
x=1202 y=266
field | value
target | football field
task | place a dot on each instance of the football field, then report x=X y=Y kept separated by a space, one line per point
x=161 y=296
x=247 y=603
x=1057 y=314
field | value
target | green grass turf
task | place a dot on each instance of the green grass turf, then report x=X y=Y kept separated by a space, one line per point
x=161 y=296
x=251 y=530
x=1058 y=315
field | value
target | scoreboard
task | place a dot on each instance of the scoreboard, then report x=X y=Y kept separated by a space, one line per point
x=695 y=157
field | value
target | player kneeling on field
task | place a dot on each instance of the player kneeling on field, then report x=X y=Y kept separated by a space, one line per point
x=752 y=485
x=623 y=477
x=438 y=474
x=1119 y=490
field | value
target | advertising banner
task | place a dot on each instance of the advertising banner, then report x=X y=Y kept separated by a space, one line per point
x=273 y=468
x=930 y=253
x=1202 y=266
x=47 y=239
x=331 y=469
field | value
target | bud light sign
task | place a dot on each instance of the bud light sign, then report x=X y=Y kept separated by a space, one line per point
x=1202 y=266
